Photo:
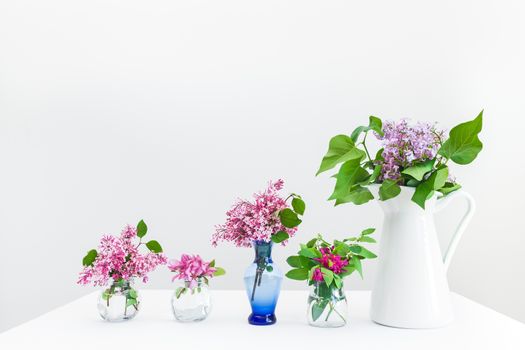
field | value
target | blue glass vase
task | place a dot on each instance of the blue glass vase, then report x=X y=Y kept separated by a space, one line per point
x=263 y=284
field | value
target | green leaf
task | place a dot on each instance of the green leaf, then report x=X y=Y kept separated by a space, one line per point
x=337 y=281
x=280 y=237
x=463 y=144
x=357 y=195
x=212 y=263
x=310 y=253
x=90 y=257
x=289 y=218
x=294 y=261
x=298 y=205
x=347 y=271
x=142 y=229
x=311 y=242
x=375 y=174
x=328 y=276
x=357 y=265
x=179 y=292
x=449 y=187
x=426 y=189
x=418 y=171
x=412 y=183
x=297 y=274
x=131 y=301
x=350 y=174
x=367 y=239
x=219 y=271
x=342 y=249
x=318 y=308
x=340 y=149
x=106 y=295
x=269 y=268
x=374 y=124
x=368 y=231
x=154 y=246
x=389 y=189
x=132 y=294
x=362 y=251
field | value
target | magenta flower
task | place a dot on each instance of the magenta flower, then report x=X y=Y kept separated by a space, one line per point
x=119 y=258
x=190 y=268
x=254 y=221
x=331 y=261
x=317 y=275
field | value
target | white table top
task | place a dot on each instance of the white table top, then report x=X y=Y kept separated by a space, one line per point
x=77 y=325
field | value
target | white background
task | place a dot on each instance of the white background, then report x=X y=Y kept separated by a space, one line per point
x=113 y=111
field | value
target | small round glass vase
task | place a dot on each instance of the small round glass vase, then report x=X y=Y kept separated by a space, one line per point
x=191 y=303
x=119 y=302
x=327 y=306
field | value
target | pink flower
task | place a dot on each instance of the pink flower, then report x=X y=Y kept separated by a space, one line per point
x=119 y=258
x=254 y=221
x=190 y=268
x=317 y=275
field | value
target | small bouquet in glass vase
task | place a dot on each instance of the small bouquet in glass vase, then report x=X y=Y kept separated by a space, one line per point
x=115 y=265
x=324 y=265
x=269 y=218
x=191 y=300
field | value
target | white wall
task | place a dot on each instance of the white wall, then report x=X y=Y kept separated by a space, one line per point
x=113 y=111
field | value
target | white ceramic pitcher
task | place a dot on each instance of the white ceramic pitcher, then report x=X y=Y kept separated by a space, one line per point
x=411 y=288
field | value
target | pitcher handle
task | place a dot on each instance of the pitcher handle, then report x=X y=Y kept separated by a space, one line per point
x=442 y=203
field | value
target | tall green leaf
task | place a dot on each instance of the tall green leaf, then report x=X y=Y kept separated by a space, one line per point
x=463 y=144
x=340 y=149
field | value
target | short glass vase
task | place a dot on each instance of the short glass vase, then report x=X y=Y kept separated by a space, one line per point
x=119 y=302
x=327 y=306
x=191 y=302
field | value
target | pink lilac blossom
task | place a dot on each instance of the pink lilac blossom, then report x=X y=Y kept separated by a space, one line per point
x=190 y=268
x=406 y=144
x=254 y=221
x=119 y=258
x=331 y=261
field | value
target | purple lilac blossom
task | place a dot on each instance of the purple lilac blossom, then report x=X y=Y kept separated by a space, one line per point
x=405 y=144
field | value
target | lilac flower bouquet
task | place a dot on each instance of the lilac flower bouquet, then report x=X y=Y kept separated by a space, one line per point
x=116 y=263
x=193 y=270
x=191 y=300
x=413 y=155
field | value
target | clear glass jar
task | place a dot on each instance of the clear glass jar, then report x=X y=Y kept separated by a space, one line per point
x=327 y=306
x=191 y=303
x=262 y=281
x=119 y=302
